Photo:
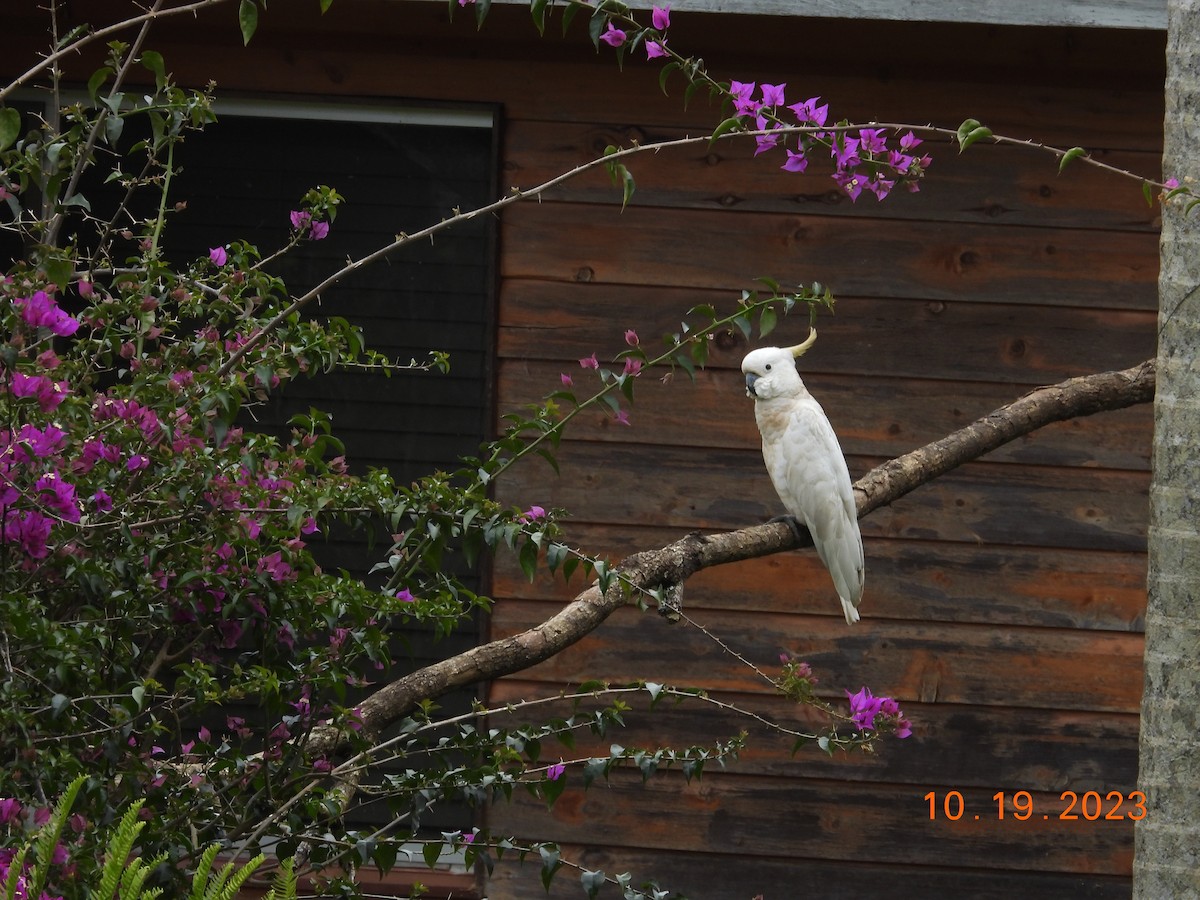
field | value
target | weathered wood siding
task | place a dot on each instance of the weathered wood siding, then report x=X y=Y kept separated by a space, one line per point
x=1003 y=604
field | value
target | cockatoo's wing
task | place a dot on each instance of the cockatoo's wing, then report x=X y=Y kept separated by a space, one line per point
x=809 y=472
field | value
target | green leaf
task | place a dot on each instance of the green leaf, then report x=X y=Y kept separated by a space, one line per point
x=1072 y=154
x=596 y=27
x=538 y=9
x=247 y=19
x=627 y=185
x=482 y=7
x=58 y=703
x=766 y=321
x=97 y=81
x=1148 y=193
x=665 y=73
x=730 y=124
x=10 y=127
x=113 y=126
x=551 y=863
x=325 y=4
x=528 y=558
x=971 y=131
x=592 y=882
x=743 y=324
x=555 y=554
x=154 y=62
x=432 y=852
x=567 y=16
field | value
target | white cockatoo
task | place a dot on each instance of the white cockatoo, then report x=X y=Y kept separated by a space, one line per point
x=806 y=465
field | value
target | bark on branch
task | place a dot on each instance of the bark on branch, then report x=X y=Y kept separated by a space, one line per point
x=675 y=563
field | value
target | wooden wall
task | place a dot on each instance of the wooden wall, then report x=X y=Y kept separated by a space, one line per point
x=1003 y=604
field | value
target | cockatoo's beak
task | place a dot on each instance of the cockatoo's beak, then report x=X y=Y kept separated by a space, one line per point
x=801 y=349
x=750 y=379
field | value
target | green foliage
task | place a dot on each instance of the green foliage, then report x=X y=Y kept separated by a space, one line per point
x=971 y=131
x=156 y=568
x=123 y=873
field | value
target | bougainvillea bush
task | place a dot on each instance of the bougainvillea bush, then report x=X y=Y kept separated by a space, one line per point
x=170 y=644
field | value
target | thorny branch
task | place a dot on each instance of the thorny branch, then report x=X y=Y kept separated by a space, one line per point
x=675 y=563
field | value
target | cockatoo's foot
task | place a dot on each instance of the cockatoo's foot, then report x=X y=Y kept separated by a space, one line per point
x=799 y=529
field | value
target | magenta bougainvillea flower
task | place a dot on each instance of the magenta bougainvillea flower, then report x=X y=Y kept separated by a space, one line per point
x=613 y=36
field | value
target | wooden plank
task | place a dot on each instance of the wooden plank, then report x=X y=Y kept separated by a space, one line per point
x=904 y=338
x=922 y=581
x=978 y=664
x=703 y=249
x=750 y=817
x=980 y=503
x=952 y=746
x=1018 y=82
x=867 y=413
x=1001 y=185
x=1134 y=14
x=716 y=875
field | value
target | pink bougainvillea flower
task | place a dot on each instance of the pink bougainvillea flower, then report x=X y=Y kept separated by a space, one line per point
x=864 y=707
x=845 y=152
x=533 y=514
x=40 y=311
x=589 y=362
x=632 y=365
x=880 y=186
x=566 y=379
x=30 y=531
x=58 y=497
x=772 y=94
x=743 y=104
x=136 y=462
x=660 y=17
x=764 y=141
x=808 y=113
x=631 y=338
x=33 y=442
x=656 y=49
x=300 y=219
x=796 y=162
x=10 y=810
x=621 y=417
x=47 y=393
x=218 y=256
x=405 y=596
x=850 y=183
x=555 y=771
x=873 y=140
x=320 y=231
x=613 y=36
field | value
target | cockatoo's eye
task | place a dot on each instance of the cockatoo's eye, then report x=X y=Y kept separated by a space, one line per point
x=768 y=367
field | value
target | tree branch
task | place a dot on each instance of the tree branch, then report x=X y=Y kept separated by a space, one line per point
x=676 y=562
